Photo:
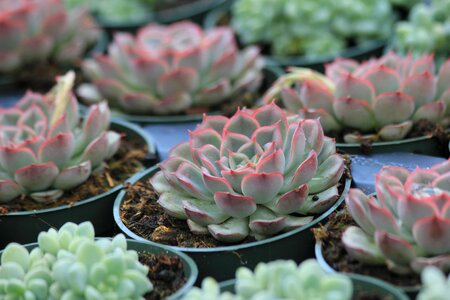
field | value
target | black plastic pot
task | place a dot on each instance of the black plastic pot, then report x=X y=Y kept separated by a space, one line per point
x=411 y=291
x=189 y=267
x=23 y=227
x=222 y=262
x=270 y=75
x=426 y=145
x=360 y=284
x=358 y=52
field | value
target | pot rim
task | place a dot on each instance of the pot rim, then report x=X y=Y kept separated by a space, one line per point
x=154 y=169
x=187 y=261
x=324 y=264
x=387 y=143
x=121 y=123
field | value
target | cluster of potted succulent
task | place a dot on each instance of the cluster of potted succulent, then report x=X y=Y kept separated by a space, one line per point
x=257 y=187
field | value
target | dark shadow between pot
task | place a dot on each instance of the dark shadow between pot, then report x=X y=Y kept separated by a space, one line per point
x=189 y=267
x=23 y=227
x=411 y=291
x=222 y=262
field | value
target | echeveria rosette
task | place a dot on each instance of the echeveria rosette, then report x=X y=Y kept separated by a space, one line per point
x=169 y=69
x=360 y=96
x=407 y=225
x=70 y=264
x=254 y=173
x=44 y=149
x=42 y=31
x=281 y=279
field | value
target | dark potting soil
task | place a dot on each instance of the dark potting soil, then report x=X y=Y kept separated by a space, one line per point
x=141 y=213
x=165 y=272
x=336 y=256
x=127 y=161
x=364 y=295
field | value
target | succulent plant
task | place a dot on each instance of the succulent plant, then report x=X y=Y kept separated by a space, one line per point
x=426 y=31
x=168 y=69
x=69 y=264
x=280 y=280
x=43 y=148
x=311 y=28
x=435 y=284
x=253 y=173
x=361 y=96
x=114 y=11
x=406 y=226
x=42 y=31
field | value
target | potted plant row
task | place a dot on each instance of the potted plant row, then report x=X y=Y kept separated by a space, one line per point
x=56 y=166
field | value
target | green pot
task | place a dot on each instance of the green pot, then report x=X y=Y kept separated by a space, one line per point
x=425 y=145
x=411 y=291
x=271 y=74
x=359 y=52
x=360 y=283
x=23 y=227
x=189 y=267
x=222 y=262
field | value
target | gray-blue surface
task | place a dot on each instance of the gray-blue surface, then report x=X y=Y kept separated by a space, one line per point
x=9 y=97
x=364 y=168
x=168 y=135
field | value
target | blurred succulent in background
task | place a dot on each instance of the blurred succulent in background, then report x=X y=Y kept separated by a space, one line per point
x=311 y=28
x=254 y=173
x=435 y=285
x=115 y=11
x=169 y=69
x=44 y=149
x=426 y=31
x=361 y=96
x=407 y=224
x=41 y=32
x=70 y=264
x=280 y=280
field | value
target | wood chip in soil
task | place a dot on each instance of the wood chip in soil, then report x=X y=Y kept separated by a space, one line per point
x=128 y=160
x=335 y=254
x=166 y=274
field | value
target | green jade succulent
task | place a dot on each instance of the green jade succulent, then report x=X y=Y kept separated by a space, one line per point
x=279 y=280
x=69 y=264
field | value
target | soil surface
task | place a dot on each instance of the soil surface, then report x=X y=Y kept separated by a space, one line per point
x=361 y=295
x=165 y=272
x=141 y=213
x=335 y=254
x=128 y=160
